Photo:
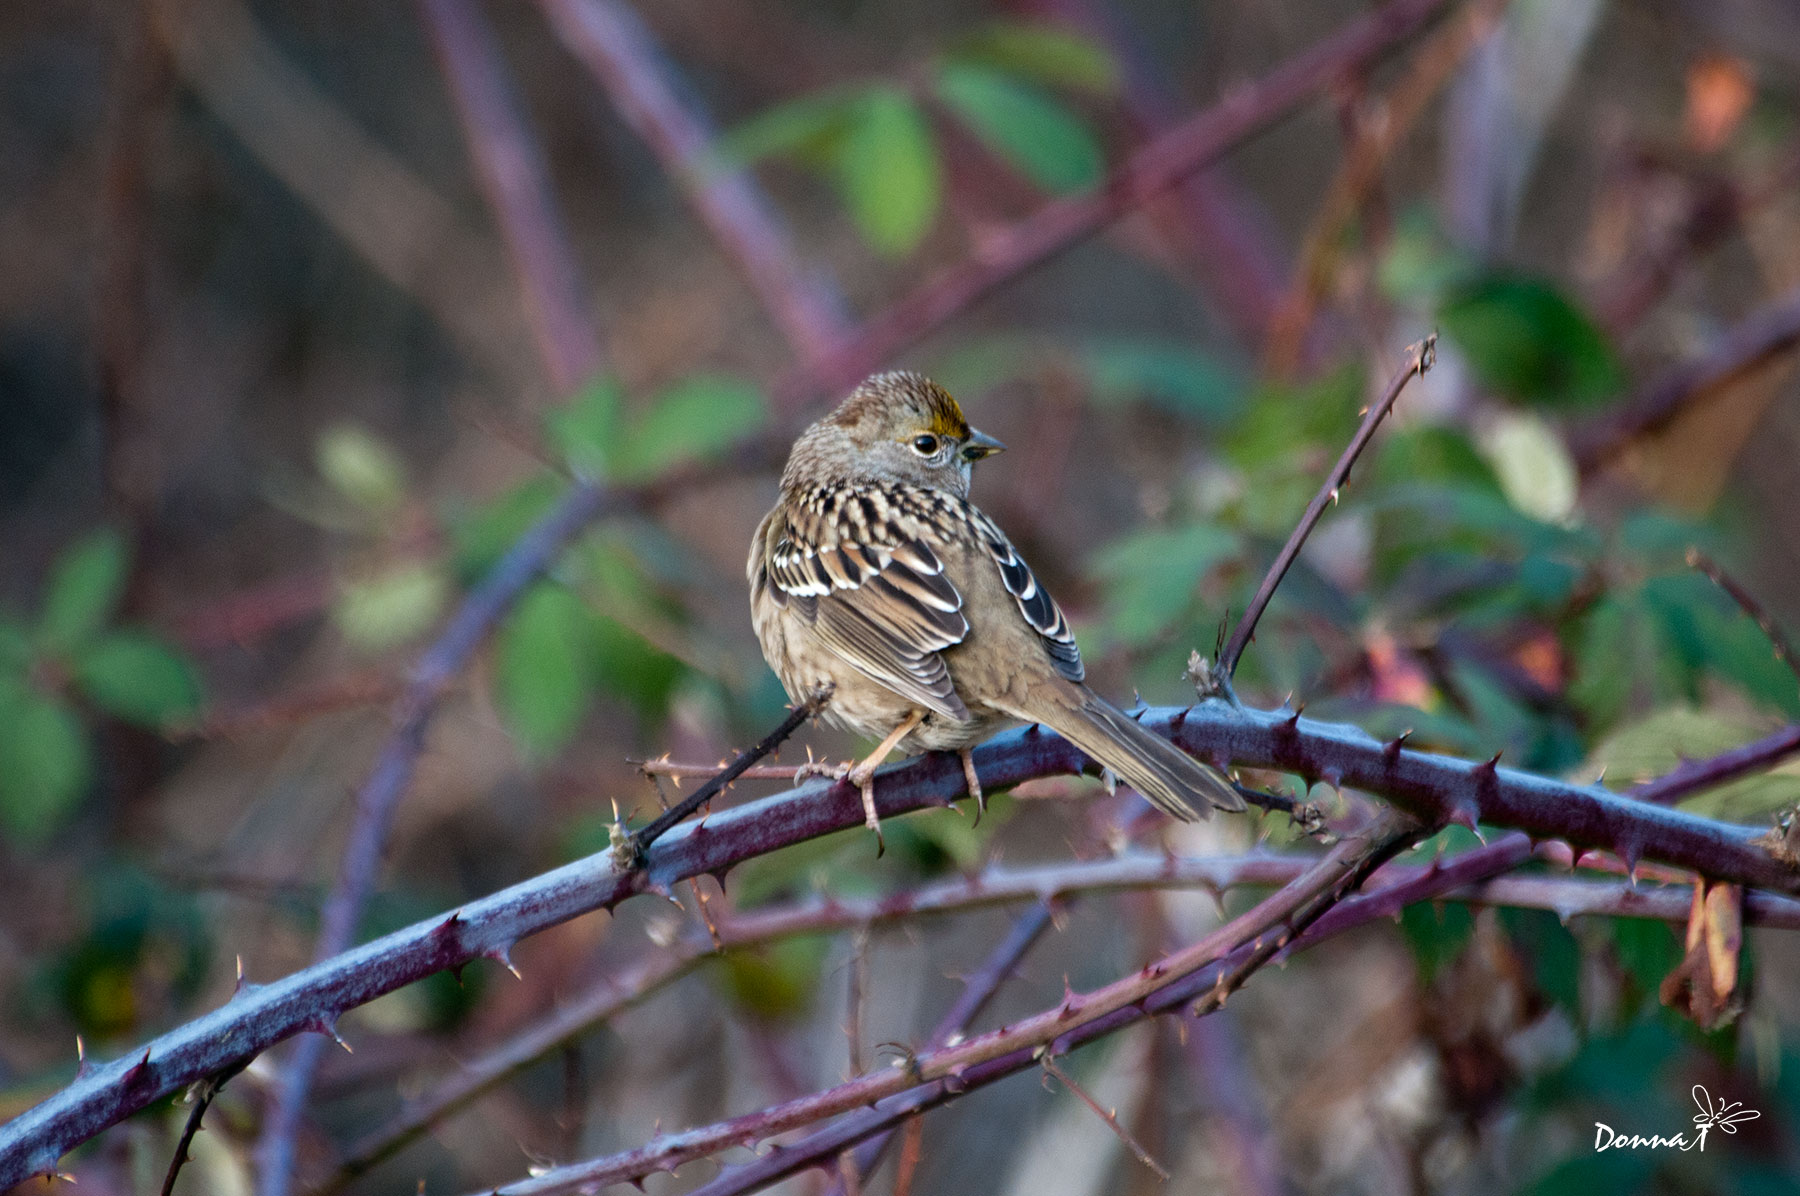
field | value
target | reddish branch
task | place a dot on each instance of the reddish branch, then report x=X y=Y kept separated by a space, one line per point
x=1433 y=787
x=1769 y=331
x=1747 y=602
x=1191 y=146
x=1253 y=937
x=1696 y=776
x=1419 y=359
x=516 y=182
x=1211 y=219
x=608 y=39
x=1043 y=885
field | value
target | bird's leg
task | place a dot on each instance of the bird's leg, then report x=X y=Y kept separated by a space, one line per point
x=863 y=775
x=968 y=763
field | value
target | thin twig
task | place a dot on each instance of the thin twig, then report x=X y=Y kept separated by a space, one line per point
x=1248 y=940
x=516 y=181
x=1431 y=785
x=612 y=43
x=1389 y=119
x=435 y=672
x=1697 y=776
x=1212 y=220
x=1769 y=331
x=1419 y=359
x=203 y=1095
x=1784 y=648
x=1191 y=146
x=1109 y=1116
x=977 y=991
x=856 y=985
x=810 y=708
x=371 y=199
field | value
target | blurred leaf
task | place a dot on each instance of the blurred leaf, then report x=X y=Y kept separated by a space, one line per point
x=1421 y=264
x=934 y=842
x=481 y=534
x=1427 y=452
x=1620 y=662
x=631 y=668
x=1032 y=131
x=587 y=430
x=1647 y=950
x=1526 y=341
x=1287 y=438
x=391 y=607
x=15 y=645
x=1046 y=53
x=138 y=678
x=1533 y=465
x=86 y=583
x=776 y=981
x=1437 y=932
x=1658 y=743
x=44 y=764
x=810 y=128
x=1178 y=378
x=1737 y=650
x=356 y=464
x=1554 y=954
x=887 y=171
x=1152 y=578
x=544 y=668
x=694 y=418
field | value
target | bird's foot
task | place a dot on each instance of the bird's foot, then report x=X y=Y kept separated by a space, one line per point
x=863 y=777
x=822 y=768
x=974 y=782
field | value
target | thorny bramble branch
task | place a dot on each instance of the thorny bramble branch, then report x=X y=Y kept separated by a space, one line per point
x=1419 y=359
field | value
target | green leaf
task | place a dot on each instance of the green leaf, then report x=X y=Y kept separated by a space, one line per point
x=1152 y=578
x=1647 y=748
x=1529 y=343
x=1046 y=53
x=1033 y=132
x=886 y=168
x=693 y=419
x=587 y=430
x=1621 y=662
x=15 y=646
x=356 y=464
x=481 y=534
x=44 y=765
x=1533 y=465
x=545 y=668
x=628 y=666
x=811 y=128
x=138 y=678
x=776 y=981
x=1437 y=934
x=86 y=584
x=1421 y=265
x=390 y=607
x=1175 y=377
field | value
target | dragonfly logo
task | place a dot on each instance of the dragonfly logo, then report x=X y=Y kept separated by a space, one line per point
x=1724 y=1116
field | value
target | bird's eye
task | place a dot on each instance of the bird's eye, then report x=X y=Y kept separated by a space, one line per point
x=925 y=446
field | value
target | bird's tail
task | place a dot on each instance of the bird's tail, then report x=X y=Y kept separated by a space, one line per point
x=1168 y=777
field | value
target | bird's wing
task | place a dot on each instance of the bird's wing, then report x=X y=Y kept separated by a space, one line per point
x=858 y=563
x=1040 y=610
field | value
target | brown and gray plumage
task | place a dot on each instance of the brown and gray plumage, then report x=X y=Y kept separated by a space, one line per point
x=876 y=574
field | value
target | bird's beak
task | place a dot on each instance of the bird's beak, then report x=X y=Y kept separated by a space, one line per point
x=980 y=445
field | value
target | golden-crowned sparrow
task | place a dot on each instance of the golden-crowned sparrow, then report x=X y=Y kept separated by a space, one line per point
x=875 y=574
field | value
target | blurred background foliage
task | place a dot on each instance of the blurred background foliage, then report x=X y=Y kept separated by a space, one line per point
x=271 y=402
